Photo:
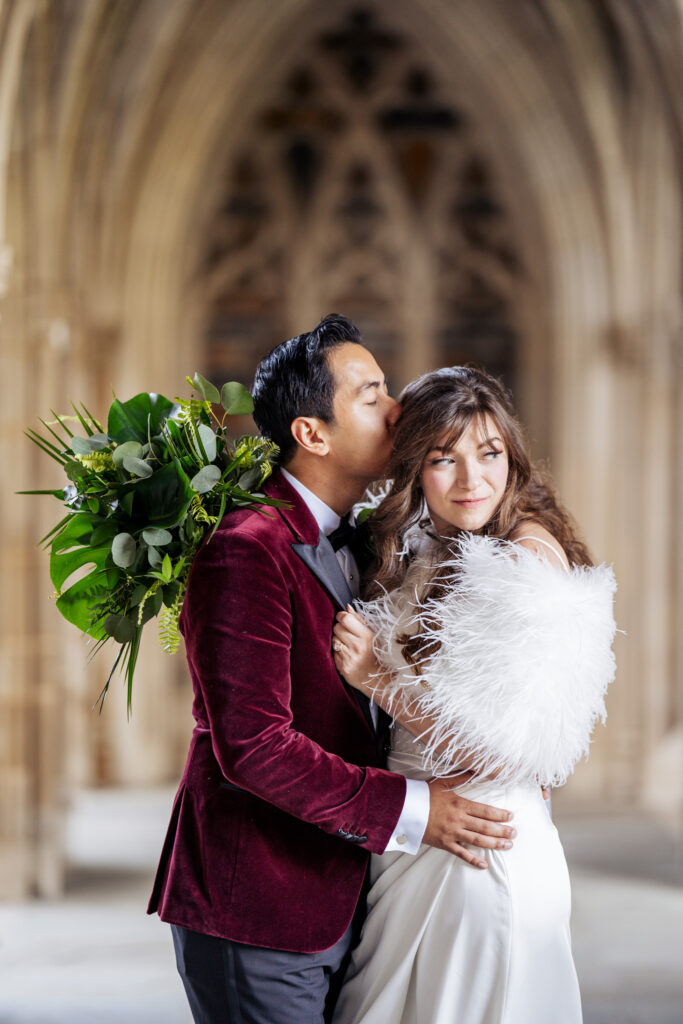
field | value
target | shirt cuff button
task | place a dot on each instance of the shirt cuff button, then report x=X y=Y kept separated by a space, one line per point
x=401 y=840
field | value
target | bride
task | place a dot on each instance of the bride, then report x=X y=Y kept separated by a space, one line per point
x=488 y=639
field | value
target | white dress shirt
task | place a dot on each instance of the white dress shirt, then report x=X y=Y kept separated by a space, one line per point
x=411 y=825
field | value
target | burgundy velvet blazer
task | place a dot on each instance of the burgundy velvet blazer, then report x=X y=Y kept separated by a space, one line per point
x=282 y=798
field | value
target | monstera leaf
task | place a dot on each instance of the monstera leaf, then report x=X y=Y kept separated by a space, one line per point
x=162 y=500
x=71 y=551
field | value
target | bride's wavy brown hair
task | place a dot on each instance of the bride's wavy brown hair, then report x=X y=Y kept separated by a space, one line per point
x=437 y=410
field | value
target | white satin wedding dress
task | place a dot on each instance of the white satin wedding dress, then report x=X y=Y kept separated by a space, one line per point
x=446 y=943
x=519 y=681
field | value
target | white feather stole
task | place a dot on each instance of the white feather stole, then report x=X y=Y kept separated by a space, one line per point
x=524 y=662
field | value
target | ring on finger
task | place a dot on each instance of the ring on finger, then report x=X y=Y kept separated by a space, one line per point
x=337 y=645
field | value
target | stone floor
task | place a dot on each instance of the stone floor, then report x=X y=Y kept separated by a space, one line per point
x=95 y=958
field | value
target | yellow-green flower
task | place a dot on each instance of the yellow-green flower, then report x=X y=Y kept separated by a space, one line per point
x=98 y=461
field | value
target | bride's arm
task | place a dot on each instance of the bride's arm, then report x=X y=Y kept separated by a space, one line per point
x=356 y=661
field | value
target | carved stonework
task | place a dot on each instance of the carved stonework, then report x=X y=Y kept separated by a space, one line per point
x=362 y=188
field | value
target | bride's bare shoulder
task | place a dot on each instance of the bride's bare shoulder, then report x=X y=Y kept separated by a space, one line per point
x=536 y=538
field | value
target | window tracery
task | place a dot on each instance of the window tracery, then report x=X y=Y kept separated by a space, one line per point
x=363 y=188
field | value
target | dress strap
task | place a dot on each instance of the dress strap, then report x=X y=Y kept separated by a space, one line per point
x=547 y=544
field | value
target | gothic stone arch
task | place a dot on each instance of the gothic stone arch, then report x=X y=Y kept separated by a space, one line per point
x=361 y=185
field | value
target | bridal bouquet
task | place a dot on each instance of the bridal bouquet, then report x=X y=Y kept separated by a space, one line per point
x=140 y=498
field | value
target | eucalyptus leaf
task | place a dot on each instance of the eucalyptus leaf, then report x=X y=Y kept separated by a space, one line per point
x=137 y=467
x=154 y=557
x=75 y=470
x=82 y=446
x=157 y=537
x=250 y=479
x=152 y=606
x=137 y=595
x=236 y=400
x=206 y=479
x=100 y=441
x=205 y=388
x=120 y=627
x=88 y=445
x=208 y=442
x=167 y=569
x=123 y=550
x=127 y=450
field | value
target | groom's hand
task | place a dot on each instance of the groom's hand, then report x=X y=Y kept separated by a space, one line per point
x=454 y=821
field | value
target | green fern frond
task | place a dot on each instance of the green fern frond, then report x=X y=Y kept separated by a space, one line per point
x=191 y=410
x=199 y=513
x=252 y=449
x=169 y=633
x=257 y=451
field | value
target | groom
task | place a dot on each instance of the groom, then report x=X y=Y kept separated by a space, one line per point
x=283 y=797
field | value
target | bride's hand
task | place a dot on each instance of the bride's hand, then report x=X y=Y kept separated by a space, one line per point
x=353 y=652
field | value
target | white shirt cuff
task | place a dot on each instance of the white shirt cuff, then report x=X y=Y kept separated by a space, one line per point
x=410 y=827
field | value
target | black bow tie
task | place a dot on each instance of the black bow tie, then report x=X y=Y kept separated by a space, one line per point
x=344 y=535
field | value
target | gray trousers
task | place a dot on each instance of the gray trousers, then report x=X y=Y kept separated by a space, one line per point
x=231 y=983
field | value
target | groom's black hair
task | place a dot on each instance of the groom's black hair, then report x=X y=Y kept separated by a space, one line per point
x=295 y=380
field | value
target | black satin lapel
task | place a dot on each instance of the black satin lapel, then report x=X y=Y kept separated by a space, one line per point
x=322 y=562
